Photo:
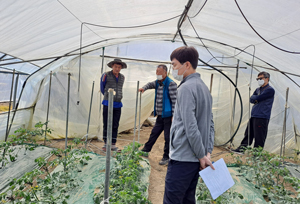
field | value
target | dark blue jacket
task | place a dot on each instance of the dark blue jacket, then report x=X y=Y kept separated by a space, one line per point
x=167 y=103
x=262 y=98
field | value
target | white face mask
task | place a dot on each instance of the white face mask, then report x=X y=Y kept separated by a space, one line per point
x=159 y=77
x=175 y=74
x=260 y=82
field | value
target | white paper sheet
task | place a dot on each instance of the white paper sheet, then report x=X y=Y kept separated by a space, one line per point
x=217 y=181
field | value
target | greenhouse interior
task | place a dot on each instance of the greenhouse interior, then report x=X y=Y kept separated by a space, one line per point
x=54 y=52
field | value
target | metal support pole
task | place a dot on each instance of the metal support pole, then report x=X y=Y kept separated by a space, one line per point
x=211 y=82
x=136 y=106
x=140 y=109
x=8 y=115
x=108 y=144
x=234 y=97
x=9 y=106
x=47 y=117
x=15 y=91
x=67 y=118
x=249 y=111
x=100 y=104
x=282 y=150
x=88 y=125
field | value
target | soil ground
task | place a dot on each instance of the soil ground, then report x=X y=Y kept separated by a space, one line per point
x=158 y=172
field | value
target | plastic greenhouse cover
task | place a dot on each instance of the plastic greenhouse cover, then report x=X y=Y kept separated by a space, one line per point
x=42 y=29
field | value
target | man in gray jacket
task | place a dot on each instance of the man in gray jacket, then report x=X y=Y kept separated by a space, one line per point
x=191 y=141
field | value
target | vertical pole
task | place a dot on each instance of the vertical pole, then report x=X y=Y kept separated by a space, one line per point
x=234 y=97
x=67 y=119
x=15 y=91
x=47 y=117
x=88 y=125
x=282 y=150
x=108 y=143
x=80 y=54
x=8 y=115
x=249 y=111
x=140 y=108
x=100 y=104
x=136 y=106
x=211 y=82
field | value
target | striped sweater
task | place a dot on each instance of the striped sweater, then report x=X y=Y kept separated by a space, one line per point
x=159 y=95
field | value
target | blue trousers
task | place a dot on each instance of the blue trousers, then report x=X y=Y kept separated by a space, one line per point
x=181 y=181
x=116 y=120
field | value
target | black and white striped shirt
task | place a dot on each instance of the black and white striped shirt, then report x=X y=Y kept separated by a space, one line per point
x=159 y=95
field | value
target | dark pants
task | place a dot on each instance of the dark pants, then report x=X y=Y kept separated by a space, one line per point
x=116 y=120
x=258 y=132
x=181 y=181
x=161 y=124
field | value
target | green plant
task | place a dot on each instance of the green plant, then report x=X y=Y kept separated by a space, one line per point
x=41 y=186
x=265 y=170
x=25 y=139
x=125 y=186
x=203 y=195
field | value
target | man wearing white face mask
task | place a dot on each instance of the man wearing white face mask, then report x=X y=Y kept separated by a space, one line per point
x=262 y=99
x=164 y=103
x=192 y=132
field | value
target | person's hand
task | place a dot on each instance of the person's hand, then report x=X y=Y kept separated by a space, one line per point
x=141 y=90
x=205 y=162
x=208 y=156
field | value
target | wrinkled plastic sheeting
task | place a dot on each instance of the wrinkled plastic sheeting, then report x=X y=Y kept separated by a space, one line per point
x=93 y=175
x=24 y=163
x=247 y=189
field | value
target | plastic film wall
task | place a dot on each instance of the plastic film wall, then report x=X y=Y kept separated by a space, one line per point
x=78 y=115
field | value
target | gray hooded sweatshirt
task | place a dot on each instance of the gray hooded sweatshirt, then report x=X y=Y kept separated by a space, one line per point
x=192 y=131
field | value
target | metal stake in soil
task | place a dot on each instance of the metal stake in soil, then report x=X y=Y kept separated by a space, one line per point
x=282 y=148
x=108 y=143
x=140 y=108
x=8 y=115
x=50 y=81
x=100 y=104
x=234 y=97
x=67 y=119
x=88 y=125
x=136 y=105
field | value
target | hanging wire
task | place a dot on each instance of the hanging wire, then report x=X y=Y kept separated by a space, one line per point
x=78 y=19
x=116 y=27
x=199 y=10
x=284 y=50
x=213 y=57
x=134 y=26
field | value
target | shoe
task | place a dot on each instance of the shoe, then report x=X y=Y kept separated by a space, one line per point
x=104 y=148
x=239 y=150
x=164 y=161
x=113 y=148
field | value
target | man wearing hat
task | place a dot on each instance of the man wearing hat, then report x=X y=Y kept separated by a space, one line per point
x=115 y=80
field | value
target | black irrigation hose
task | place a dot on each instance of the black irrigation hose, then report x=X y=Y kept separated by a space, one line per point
x=291 y=52
x=237 y=90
